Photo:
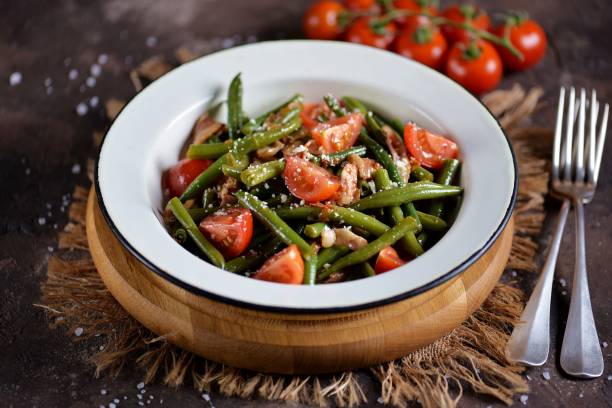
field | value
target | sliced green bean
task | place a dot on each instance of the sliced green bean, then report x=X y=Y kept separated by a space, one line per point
x=207 y=150
x=253 y=124
x=390 y=237
x=445 y=178
x=235 y=163
x=251 y=261
x=234 y=107
x=259 y=173
x=375 y=128
x=354 y=105
x=315 y=230
x=298 y=213
x=334 y=104
x=367 y=269
x=280 y=228
x=182 y=216
x=290 y=115
x=422 y=174
x=420 y=190
x=431 y=222
x=393 y=123
x=198 y=214
x=331 y=254
x=333 y=159
x=179 y=234
x=208 y=198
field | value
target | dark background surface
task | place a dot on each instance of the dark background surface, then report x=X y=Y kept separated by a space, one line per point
x=42 y=138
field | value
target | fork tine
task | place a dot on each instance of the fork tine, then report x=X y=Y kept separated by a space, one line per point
x=569 y=130
x=600 y=142
x=557 y=141
x=592 y=158
x=580 y=141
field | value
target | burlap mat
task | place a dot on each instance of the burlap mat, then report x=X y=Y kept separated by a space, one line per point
x=472 y=355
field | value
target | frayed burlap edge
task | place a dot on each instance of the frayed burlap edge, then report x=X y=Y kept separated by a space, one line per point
x=74 y=297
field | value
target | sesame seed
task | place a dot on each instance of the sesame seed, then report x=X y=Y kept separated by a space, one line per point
x=15 y=78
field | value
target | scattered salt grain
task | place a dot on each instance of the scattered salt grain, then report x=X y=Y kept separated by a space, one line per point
x=140 y=386
x=112 y=405
x=524 y=399
x=78 y=331
x=116 y=400
x=564 y=293
x=514 y=274
x=42 y=220
x=95 y=70
x=101 y=348
x=581 y=395
x=73 y=74
x=546 y=375
x=125 y=397
x=139 y=396
x=380 y=400
x=563 y=282
x=94 y=101
x=103 y=392
x=604 y=344
x=81 y=109
x=151 y=397
x=610 y=377
x=15 y=78
x=90 y=82
x=102 y=59
x=54 y=226
x=151 y=41
x=50 y=249
x=206 y=397
x=143 y=391
x=141 y=403
x=76 y=168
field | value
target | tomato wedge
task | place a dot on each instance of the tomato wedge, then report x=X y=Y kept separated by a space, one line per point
x=338 y=134
x=183 y=173
x=429 y=149
x=309 y=182
x=287 y=266
x=312 y=112
x=230 y=230
x=387 y=259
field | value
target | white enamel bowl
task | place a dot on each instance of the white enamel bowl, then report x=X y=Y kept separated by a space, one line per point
x=146 y=137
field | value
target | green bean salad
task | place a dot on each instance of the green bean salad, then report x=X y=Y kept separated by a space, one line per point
x=311 y=193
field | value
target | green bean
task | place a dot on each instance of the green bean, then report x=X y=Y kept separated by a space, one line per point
x=259 y=173
x=230 y=171
x=334 y=104
x=390 y=237
x=251 y=261
x=298 y=213
x=420 y=190
x=422 y=238
x=207 y=150
x=408 y=242
x=315 y=230
x=270 y=219
x=333 y=159
x=422 y=174
x=182 y=216
x=354 y=105
x=367 y=269
x=197 y=214
x=431 y=222
x=375 y=128
x=234 y=107
x=290 y=115
x=208 y=198
x=331 y=254
x=179 y=234
x=253 y=124
x=205 y=179
x=445 y=178
x=393 y=123
x=235 y=163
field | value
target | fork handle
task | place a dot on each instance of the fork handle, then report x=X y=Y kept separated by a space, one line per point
x=530 y=338
x=580 y=353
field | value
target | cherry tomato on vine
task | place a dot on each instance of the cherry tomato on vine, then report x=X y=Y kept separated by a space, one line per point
x=417 y=6
x=424 y=44
x=527 y=36
x=362 y=33
x=361 y=5
x=183 y=173
x=468 y=14
x=476 y=65
x=321 y=20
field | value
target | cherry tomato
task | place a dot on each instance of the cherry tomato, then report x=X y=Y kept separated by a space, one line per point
x=424 y=44
x=418 y=6
x=465 y=13
x=312 y=112
x=475 y=65
x=528 y=37
x=428 y=149
x=183 y=173
x=321 y=20
x=309 y=182
x=287 y=266
x=360 y=32
x=362 y=5
x=338 y=134
x=230 y=230
x=387 y=259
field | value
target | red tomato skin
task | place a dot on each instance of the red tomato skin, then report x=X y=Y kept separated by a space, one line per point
x=182 y=174
x=413 y=5
x=477 y=75
x=338 y=134
x=427 y=148
x=454 y=13
x=230 y=230
x=287 y=266
x=361 y=5
x=361 y=33
x=387 y=260
x=431 y=53
x=321 y=20
x=529 y=38
x=311 y=111
x=309 y=182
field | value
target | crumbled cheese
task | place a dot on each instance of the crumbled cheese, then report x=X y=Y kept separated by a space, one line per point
x=73 y=74
x=81 y=109
x=95 y=70
x=15 y=78
x=546 y=375
x=78 y=331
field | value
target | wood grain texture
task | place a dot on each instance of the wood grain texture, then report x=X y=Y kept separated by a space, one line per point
x=289 y=343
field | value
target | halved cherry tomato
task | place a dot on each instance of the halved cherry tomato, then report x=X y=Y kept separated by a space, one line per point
x=465 y=13
x=321 y=20
x=312 y=112
x=230 y=230
x=360 y=32
x=528 y=37
x=424 y=44
x=387 y=259
x=362 y=5
x=309 y=182
x=418 y=6
x=338 y=134
x=428 y=148
x=287 y=266
x=475 y=65
x=183 y=173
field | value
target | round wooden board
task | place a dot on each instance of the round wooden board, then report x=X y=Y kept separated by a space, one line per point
x=272 y=342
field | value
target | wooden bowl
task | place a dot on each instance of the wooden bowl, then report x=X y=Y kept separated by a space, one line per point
x=274 y=342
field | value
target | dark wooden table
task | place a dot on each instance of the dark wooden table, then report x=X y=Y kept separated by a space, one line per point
x=44 y=145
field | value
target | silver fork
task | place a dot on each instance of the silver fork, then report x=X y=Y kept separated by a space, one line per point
x=529 y=343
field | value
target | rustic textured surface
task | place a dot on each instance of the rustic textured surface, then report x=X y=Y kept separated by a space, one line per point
x=42 y=138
